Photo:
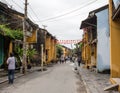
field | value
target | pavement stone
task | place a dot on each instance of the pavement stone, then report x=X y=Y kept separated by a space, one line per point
x=95 y=82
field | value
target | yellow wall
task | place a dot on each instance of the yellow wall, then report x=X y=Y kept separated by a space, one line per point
x=114 y=44
x=51 y=48
x=48 y=38
x=10 y=47
x=84 y=49
x=33 y=38
x=86 y=54
x=66 y=51
x=47 y=42
x=83 y=53
x=54 y=49
x=63 y=51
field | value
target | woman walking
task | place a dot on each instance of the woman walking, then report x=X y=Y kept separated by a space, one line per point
x=11 y=68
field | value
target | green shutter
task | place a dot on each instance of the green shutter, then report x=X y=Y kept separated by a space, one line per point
x=1 y=49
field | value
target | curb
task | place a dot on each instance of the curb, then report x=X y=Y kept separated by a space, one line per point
x=14 y=78
x=86 y=86
x=19 y=75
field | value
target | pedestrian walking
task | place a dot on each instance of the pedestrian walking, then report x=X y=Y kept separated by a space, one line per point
x=62 y=59
x=79 y=60
x=11 y=68
x=73 y=59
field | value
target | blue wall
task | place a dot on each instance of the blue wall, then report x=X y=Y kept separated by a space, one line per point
x=103 y=44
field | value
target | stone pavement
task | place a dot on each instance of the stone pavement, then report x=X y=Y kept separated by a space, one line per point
x=95 y=82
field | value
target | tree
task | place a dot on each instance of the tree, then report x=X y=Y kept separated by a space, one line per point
x=14 y=34
x=59 y=51
x=30 y=53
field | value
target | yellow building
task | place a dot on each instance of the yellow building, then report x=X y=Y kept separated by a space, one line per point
x=14 y=19
x=50 y=47
x=66 y=51
x=86 y=52
x=33 y=37
x=114 y=19
x=89 y=47
x=91 y=33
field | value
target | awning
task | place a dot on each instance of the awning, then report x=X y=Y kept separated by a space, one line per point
x=90 y=21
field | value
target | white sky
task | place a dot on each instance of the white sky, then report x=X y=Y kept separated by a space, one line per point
x=65 y=27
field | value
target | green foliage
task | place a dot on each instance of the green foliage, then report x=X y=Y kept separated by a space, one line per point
x=19 y=51
x=15 y=34
x=59 y=50
x=30 y=52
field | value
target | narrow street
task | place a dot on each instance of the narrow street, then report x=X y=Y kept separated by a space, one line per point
x=34 y=36
x=59 y=78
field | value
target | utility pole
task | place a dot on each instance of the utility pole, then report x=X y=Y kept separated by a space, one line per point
x=24 y=64
x=44 y=26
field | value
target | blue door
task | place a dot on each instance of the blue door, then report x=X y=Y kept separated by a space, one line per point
x=1 y=49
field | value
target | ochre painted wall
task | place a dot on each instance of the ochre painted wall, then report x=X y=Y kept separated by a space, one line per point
x=10 y=47
x=33 y=38
x=86 y=50
x=48 y=47
x=51 y=48
x=114 y=44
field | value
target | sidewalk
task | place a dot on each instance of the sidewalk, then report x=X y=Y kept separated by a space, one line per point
x=94 y=82
x=4 y=77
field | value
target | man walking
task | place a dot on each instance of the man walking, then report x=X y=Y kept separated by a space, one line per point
x=11 y=68
x=79 y=60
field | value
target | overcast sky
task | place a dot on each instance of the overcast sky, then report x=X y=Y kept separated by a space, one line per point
x=62 y=17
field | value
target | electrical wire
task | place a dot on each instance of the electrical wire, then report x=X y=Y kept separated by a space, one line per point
x=31 y=17
x=55 y=16
x=67 y=17
x=21 y=9
x=22 y=1
x=67 y=12
x=33 y=12
x=17 y=5
x=62 y=18
x=36 y=14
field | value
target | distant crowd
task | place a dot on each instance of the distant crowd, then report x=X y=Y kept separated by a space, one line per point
x=64 y=59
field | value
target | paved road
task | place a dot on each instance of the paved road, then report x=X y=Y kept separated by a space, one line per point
x=57 y=79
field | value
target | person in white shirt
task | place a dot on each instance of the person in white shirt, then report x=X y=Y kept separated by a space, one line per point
x=11 y=68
